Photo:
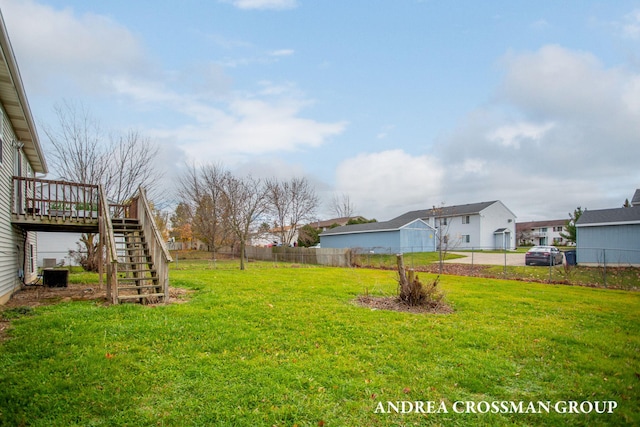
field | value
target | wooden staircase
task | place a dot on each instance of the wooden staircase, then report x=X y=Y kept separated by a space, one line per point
x=137 y=275
x=137 y=258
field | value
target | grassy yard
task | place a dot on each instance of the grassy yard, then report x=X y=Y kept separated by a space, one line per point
x=285 y=346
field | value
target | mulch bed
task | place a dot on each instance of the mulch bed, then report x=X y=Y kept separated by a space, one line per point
x=395 y=304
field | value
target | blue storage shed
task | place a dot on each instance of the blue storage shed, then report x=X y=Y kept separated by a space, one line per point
x=609 y=236
x=395 y=236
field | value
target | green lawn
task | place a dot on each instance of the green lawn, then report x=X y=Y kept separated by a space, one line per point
x=285 y=346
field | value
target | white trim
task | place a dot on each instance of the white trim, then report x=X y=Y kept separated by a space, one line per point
x=600 y=224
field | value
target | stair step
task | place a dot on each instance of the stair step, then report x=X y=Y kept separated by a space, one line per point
x=136 y=279
x=134 y=262
x=139 y=296
x=133 y=288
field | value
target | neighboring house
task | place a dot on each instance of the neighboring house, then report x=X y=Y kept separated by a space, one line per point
x=541 y=233
x=635 y=201
x=609 y=236
x=272 y=238
x=486 y=225
x=395 y=236
x=328 y=223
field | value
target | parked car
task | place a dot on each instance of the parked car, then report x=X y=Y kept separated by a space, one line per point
x=543 y=255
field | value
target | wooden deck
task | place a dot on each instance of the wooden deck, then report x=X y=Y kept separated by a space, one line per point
x=56 y=206
x=60 y=206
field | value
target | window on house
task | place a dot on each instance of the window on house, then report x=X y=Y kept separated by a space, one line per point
x=466 y=238
x=557 y=228
x=32 y=267
x=444 y=221
x=466 y=219
x=543 y=229
x=445 y=239
x=1 y=150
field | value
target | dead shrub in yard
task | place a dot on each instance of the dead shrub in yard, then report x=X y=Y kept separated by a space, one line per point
x=413 y=295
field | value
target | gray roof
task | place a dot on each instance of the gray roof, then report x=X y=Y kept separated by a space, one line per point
x=446 y=211
x=635 y=201
x=404 y=219
x=613 y=216
x=394 y=224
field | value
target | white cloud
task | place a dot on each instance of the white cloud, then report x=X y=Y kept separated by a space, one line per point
x=385 y=184
x=247 y=125
x=540 y=25
x=561 y=120
x=282 y=52
x=263 y=4
x=56 y=47
x=512 y=135
x=630 y=27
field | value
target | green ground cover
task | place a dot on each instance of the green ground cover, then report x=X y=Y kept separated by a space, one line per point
x=286 y=346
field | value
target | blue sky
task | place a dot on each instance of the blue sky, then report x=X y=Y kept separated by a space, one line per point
x=400 y=104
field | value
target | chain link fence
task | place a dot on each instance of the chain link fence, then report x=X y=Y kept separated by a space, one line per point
x=602 y=267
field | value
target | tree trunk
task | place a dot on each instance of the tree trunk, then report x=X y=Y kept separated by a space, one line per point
x=242 y=250
x=405 y=290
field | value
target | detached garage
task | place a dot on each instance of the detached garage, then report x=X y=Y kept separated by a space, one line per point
x=395 y=236
x=609 y=236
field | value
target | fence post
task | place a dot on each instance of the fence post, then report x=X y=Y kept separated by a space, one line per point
x=604 y=261
x=505 y=262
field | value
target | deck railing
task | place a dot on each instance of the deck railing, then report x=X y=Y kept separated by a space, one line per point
x=35 y=197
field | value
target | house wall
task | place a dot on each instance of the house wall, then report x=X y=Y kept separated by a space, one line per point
x=456 y=229
x=378 y=241
x=417 y=237
x=12 y=239
x=495 y=217
x=543 y=234
x=613 y=244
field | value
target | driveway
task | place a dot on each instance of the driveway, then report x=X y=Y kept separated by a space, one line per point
x=483 y=258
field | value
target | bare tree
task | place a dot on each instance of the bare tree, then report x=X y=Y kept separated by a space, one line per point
x=131 y=165
x=80 y=147
x=201 y=190
x=83 y=153
x=442 y=220
x=245 y=203
x=291 y=203
x=342 y=206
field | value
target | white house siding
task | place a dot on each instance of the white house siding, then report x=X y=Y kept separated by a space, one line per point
x=10 y=238
x=456 y=228
x=610 y=244
x=495 y=217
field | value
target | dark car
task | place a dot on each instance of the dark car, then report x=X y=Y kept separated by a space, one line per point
x=543 y=255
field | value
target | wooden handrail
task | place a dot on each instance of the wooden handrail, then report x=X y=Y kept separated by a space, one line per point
x=158 y=250
x=157 y=235
x=105 y=214
x=106 y=233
